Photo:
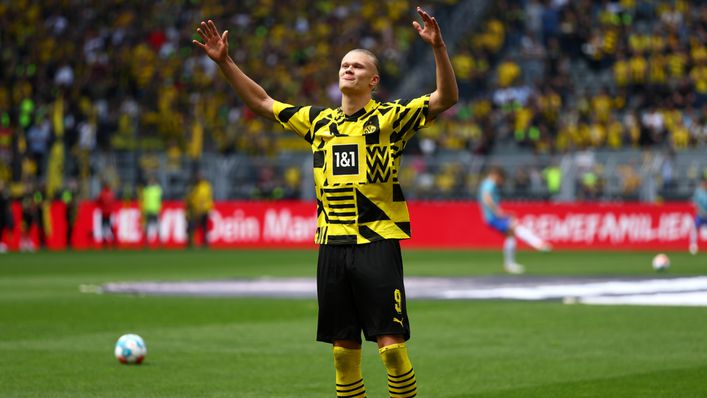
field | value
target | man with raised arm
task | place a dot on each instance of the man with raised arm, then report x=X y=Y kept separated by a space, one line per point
x=362 y=213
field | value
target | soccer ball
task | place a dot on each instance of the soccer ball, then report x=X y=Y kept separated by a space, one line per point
x=661 y=262
x=130 y=348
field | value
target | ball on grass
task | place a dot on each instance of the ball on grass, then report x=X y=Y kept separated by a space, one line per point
x=661 y=262
x=130 y=349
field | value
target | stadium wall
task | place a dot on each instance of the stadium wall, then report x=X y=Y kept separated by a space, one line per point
x=452 y=225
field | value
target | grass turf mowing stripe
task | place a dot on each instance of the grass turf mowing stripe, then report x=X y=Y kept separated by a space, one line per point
x=57 y=342
x=666 y=383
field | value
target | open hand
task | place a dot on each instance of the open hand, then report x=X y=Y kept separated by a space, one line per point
x=430 y=32
x=215 y=45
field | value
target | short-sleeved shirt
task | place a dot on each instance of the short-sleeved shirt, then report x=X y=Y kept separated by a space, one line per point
x=106 y=202
x=152 y=199
x=201 y=198
x=700 y=200
x=488 y=186
x=356 y=159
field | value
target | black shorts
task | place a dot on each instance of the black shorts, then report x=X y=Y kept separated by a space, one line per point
x=360 y=288
x=29 y=218
x=151 y=218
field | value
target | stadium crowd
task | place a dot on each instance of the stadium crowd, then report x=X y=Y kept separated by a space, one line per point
x=520 y=76
x=123 y=75
x=557 y=77
x=120 y=76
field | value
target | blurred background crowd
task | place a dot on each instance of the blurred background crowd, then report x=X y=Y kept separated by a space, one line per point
x=608 y=95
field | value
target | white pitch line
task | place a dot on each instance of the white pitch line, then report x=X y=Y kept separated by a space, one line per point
x=580 y=290
x=691 y=299
x=666 y=291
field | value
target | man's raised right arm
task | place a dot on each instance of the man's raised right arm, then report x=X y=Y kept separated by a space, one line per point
x=215 y=45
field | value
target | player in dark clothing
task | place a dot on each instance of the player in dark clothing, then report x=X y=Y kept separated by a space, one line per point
x=106 y=204
x=6 y=219
x=68 y=197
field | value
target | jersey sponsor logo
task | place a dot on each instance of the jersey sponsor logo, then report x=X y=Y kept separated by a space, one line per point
x=345 y=159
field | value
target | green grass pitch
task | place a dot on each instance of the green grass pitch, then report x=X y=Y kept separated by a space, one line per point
x=58 y=342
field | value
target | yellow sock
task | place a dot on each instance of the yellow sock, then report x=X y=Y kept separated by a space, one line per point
x=349 y=382
x=401 y=375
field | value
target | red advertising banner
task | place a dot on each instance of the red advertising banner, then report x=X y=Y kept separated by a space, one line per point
x=571 y=226
x=254 y=224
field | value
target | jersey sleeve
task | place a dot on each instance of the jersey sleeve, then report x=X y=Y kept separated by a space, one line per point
x=700 y=201
x=485 y=188
x=411 y=115
x=295 y=118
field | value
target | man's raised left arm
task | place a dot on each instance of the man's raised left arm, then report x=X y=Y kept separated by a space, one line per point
x=447 y=91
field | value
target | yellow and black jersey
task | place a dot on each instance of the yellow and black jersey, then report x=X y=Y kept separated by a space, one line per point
x=356 y=159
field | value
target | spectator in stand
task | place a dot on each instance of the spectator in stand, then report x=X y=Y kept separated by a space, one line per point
x=6 y=219
x=463 y=64
x=69 y=198
x=553 y=178
x=199 y=205
x=508 y=73
x=32 y=216
x=38 y=137
x=106 y=203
